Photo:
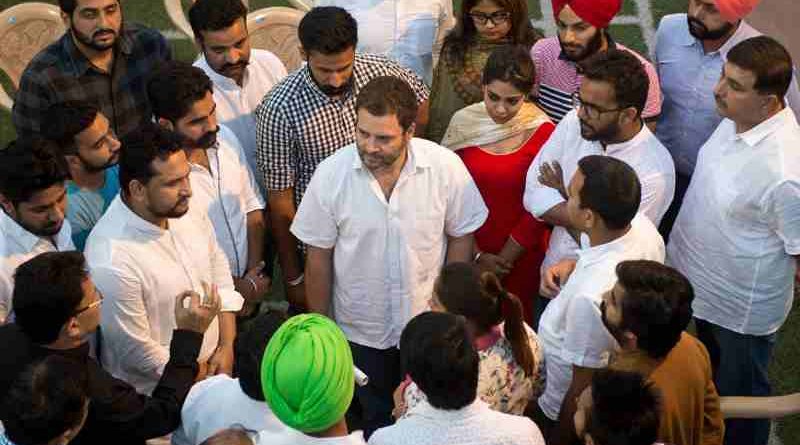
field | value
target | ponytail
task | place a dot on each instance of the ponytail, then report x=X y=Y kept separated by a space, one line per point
x=514 y=328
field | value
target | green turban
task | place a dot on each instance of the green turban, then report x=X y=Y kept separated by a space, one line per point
x=307 y=373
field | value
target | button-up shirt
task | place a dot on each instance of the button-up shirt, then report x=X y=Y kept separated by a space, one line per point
x=740 y=224
x=474 y=424
x=557 y=78
x=235 y=104
x=141 y=268
x=298 y=125
x=571 y=330
x=688 y=76
x=410 y=32
x=644 y=153
x=387 y=252
x=61 y=72
x=226 y=192
x=17 y=246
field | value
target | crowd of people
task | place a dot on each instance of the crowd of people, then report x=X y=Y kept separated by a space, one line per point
x=484 y=236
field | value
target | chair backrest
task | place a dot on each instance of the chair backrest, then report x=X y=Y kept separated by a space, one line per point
x=275 y=29
x=178 y=15
x=303 y=5
x=25 y=29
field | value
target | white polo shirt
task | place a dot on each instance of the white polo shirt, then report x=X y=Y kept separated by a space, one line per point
x=17 y=246
x=141 y=268
x=644 y=153
x=226 y=194
x=387 y=254
x=740 y=225
x=235 y=104
x=571 y=330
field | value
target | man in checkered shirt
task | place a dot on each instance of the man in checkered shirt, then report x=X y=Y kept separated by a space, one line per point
x=309 y=115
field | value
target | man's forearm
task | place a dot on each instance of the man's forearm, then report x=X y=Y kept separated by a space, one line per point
x=557 y=216
x=282 y=209
x=256 y=233
x=319 y=279
x=227 y=329
x=421 y=122
x=564 y=433
x=460 y=249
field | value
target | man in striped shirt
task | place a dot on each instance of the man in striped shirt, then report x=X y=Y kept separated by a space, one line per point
x=582 y=32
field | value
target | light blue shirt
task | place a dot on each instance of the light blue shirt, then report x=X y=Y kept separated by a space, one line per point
x=688 y=75
x=85 y=207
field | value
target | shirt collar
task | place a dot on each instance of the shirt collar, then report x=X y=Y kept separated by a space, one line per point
x=134 y=220
x=23 y=237
x=755 y=135
x=743 y=31
x=424 y=408
x=640 y=137
x=124 y=45
x=593 y=254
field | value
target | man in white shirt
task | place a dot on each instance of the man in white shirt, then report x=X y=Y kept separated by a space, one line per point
x=241 y=399
x=242 y=75
x=223 y=186
x=33 y=196
x=607 y=122
x=604 y=197
x=437 y=352
x=380 y=217
x=410 y=32
x=737 y=235
x=146 y=249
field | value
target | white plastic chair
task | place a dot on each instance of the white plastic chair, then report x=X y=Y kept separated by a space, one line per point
x=303 y=5
x=178 y=15
x=25 y=29
x=275 y=29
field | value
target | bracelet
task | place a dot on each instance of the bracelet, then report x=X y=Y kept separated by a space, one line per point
x=252 y=283
x=477 y=257
x=296 y=281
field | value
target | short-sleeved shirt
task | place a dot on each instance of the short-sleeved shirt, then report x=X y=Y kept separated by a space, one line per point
x=571 y=329
x=644 y=153
x=688 y=75
x=85 y=207
x=740 y=225
x=61 y=72
x=298 y=125
x=557 y=79
x=226 y=193
x=235 y=104
x=387 y=253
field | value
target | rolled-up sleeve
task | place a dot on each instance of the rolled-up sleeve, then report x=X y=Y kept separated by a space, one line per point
x=466 y=211
x=783 y=213
x=276 y=150
x=538 y=198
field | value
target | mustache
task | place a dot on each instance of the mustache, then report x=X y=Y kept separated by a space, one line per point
x=103 y=31
x=229 y=66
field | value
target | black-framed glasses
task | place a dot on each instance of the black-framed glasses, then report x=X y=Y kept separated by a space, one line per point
x=591 y=110
x=497 y=18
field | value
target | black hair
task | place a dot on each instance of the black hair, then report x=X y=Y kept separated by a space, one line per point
x=625 y=409
x=250 y=346
x=327 y=30
x=140 y=148
x=48 y=290
x=480 y=297
x=175 y=87
x=437 y=352
x=768 y=60
x=215 y=15
x=512 y=64
x=386 y=95
x=68 y=6
x=48 y=398
x=657 y=304
x=65 y=120
x=28 y=166
x=611 y=189
x=624 y=72
x=459 y=40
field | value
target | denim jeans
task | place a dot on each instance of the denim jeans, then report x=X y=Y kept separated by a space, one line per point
x=740 y=363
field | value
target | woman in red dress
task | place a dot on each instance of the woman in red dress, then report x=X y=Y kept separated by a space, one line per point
x=498 y=139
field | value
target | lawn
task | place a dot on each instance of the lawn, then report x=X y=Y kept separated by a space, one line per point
x=786 y=366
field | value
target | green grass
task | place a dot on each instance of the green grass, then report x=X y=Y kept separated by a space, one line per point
x=785 y=369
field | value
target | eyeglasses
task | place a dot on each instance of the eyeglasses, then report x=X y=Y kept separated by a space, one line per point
x=592 y=111
x=91 y=305
x=497 y=18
